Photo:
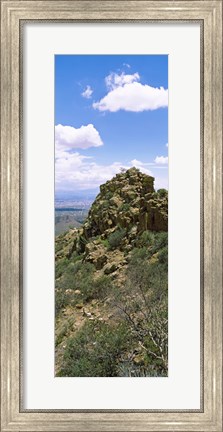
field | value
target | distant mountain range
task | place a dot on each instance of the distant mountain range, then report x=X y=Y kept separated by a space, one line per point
x=88 y=194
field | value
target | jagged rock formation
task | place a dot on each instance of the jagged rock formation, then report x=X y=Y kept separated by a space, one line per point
x=129 y=202
x=126 y=206
x=129 y=199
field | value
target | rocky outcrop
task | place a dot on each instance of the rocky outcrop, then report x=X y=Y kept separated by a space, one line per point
x=128 y=200
x=105 y=276
x=126 y=206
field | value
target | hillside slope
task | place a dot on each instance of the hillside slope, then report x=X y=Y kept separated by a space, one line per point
x=111 y=284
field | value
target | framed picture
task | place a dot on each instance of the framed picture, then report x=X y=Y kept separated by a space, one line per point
x=111 y=218
x=111 y=215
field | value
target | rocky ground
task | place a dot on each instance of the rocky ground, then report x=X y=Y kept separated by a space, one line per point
x=108 y=274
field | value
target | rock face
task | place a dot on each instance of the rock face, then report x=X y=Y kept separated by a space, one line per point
x=106 y=278
x=128 y=200
x=126 y=206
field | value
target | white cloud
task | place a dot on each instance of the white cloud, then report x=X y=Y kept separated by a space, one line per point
x=77 y=172
x=68 y=137
x=114 y=80
x=127 y=93
x=87 y=92
x=166 y=144
x=163 y=160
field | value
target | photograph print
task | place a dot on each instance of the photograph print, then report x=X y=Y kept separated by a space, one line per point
x=111 y=215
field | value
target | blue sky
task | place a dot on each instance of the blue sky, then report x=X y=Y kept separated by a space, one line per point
x=110 y=112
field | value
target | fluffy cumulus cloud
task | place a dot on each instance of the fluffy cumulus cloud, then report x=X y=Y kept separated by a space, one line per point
x=68 y=137
x=87 y=92
x=125 y=92
x=77 y=172
x=163 y=160
x=114 y=80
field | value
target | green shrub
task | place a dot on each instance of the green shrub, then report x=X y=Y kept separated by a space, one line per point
x=116 y=238
x=76 y=276
x=95 y=350
x=104 y=242
x=58 y=246
x=147 y=238
x=60 y=267
x=143 y=302
x=108 y=195
x=163 y=256
x=75 y=257
x=129 y=369
x=83 y=279
x=161 y=240
x=106 y=204
x=125 y=207
x=138 y=256
x=101 y=287
x=62 y=299
x=64 y=331
x=162 y=193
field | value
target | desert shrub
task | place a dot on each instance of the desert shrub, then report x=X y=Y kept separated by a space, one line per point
x=80 y=276
x=161 y=240
x=108 y=195
x=116 y=238
x=58 y=246
x=61 y=301
x=147 y=238
x=148 y=244
x=139 y=255
x=155 y=195
x=94 y=288
x=83 y=279
x=106 y=204
x=76 y=276
x=142 y=303
x=60 y=267
x=146 y=317
x=104 y=242
x=101 y=287
x=64 y=331
x=129 y=369
x=95 y=350
x=162 y=193
x=76 y=257
x=125 y=207
x=163 y=256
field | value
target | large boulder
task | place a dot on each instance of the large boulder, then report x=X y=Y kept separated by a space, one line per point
x=95 y=253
